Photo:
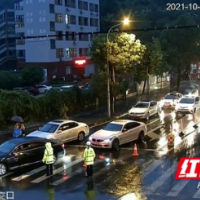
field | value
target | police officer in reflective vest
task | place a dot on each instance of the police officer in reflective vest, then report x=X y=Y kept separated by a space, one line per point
x=88 y=158
x=48 y=159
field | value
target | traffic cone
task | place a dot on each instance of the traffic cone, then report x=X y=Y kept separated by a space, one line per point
x=135 y=153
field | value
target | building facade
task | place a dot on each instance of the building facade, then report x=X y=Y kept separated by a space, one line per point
x=7 y=41
x=58 y=41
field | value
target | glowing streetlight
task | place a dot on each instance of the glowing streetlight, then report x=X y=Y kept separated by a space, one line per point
x=125 y=22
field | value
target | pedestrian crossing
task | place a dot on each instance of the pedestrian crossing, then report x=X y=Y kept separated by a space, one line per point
x=157 y=179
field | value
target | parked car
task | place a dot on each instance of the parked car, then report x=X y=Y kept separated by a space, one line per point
x=25 y=151
x=43 y=88
x=66 y=87
x=32 y=90
x=170 y=100
x=192 y=91
x=143 y=109
x=64 y=130
x=189 y=104
x=118 y=132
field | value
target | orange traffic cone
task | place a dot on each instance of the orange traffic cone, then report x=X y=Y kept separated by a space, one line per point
x=135 y=153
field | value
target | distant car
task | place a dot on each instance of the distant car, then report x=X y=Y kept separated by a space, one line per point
x=170 y=100
x=64 y=130
x=25 y=151
x=187 y=105
x=143 y=109
x=32 y=90
x=43 y=88
x=66 y=87
x=192 y=91
x=118 y=132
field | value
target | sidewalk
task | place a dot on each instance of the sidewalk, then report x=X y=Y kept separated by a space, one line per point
x=98 y=116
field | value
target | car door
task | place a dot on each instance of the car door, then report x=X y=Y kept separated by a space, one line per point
x=74 y=130
x=154 y=107
x=127 y=132
x=134 y=128
x=63 y=132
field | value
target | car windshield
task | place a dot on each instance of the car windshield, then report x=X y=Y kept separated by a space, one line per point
x=187 y=91
x=142 y=105
x=170 y=96
x=113 y=127
x=49 y=128
x=7 y=147
x=187 y=101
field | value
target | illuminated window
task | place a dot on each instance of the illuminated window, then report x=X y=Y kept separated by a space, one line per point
x=83 y=52
x=70 y=36
x=59 y=18
x=70 y=19
x=73 y=52
x=59 y=53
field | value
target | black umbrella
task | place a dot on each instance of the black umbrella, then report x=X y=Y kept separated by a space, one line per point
x=17 y=119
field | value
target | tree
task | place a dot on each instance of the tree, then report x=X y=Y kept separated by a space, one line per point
x=9 y=80
x=32 y=75
x=181 y=46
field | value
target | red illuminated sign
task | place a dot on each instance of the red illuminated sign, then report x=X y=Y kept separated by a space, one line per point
x=80 y=62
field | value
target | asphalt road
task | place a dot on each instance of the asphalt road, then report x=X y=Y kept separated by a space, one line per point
x=116 y=173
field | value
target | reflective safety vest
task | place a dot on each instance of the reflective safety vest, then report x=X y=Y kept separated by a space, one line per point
x=88 y=156
x=90 y=194
x=48 y=154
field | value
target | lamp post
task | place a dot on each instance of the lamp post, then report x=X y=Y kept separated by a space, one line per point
x=125 y=22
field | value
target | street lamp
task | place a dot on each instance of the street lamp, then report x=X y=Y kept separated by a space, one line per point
x=125 y=22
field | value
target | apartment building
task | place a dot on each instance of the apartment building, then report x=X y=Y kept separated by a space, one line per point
x=7 y=42
x=59 y=40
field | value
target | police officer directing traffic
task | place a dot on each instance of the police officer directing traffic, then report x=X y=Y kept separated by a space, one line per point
x=48 y=159
x=88 y=158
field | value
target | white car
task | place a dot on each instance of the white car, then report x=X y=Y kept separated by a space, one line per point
x=143 y=110
x=187 y=105
x=64 y=130
x=170 y=100
x=191 y=91
x=43 y=88
x=118 y=132
x=66 y=87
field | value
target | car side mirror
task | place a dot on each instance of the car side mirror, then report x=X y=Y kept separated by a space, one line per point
x=124 y=130
x=39 y=128
x=59 y=131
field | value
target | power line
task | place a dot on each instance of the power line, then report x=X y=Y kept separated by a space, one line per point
x=105 y=32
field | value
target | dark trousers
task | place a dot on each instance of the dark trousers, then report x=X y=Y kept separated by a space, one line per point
x=49 y=169
x=89 y=170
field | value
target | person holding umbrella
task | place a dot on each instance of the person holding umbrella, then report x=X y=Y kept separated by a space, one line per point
x=19 y=128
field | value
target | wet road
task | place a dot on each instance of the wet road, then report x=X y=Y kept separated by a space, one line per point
x=116 y=173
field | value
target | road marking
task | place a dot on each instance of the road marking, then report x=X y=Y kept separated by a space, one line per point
x=60 y=169
x=7 y=174
x=177 y=188
x=157 y=183
x=32 y=172
x=152 y=167
x=197 y=194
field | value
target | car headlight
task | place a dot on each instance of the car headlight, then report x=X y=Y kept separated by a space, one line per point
x=107 y=140
x=90 y=138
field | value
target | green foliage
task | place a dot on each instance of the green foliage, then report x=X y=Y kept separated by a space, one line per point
x=9 y=80
x=32 y=75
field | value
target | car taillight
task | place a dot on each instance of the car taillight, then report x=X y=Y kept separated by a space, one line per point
x=63 y=146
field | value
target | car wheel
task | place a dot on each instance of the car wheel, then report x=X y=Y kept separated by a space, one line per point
x=115 y=144
x=3 y=169
x=81 y=136
x=141 y=136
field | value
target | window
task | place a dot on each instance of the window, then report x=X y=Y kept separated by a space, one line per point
x=70 y=36
x=21 y=53
x=70 y=19
x=73 y=52
x=59 y=35
x=59 y=53
x=59 y=18
x=52 y=26
x=83 y=21
x=19 y=25
x=54 y=70
x=19 y=18
x=94 y=22
x=51 y=8
x=70 y=3
x=83 y=52
x=83 y=37
x=94 y=7
x=73 y=124
x=64 y=127
x=82 y=5
x=58 y=2
x=49 y=128
x=68 y=70
x=52 y=44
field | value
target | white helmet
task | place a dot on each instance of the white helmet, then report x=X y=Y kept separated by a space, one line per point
x=88 y=143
